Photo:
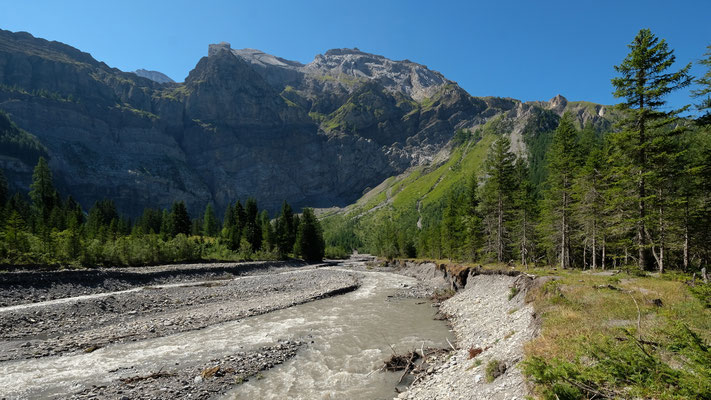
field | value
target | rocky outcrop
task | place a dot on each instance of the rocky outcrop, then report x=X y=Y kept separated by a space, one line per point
x=155 y=76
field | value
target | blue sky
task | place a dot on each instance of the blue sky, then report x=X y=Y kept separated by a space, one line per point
x=529 y=50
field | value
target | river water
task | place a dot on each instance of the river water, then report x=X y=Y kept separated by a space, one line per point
x=347 y=337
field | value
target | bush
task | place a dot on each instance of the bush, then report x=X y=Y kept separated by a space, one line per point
x=336 y=252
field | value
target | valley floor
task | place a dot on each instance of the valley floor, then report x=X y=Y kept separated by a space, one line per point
x=130 y=333
x=140 y=306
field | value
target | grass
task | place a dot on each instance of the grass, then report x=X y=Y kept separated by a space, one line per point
x=494 y=369
x=599 y=341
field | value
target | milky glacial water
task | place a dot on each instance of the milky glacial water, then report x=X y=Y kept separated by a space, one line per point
x=347 y=337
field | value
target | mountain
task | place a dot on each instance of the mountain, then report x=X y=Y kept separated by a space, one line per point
x=244 y=123
x=154 y=76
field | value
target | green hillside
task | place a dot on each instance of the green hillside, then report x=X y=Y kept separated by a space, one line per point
x=413 y=201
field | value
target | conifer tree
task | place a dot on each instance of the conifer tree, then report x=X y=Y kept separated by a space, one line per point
x=252 y=226
x=285 y=230
x=558 y=203
x=4 y=193
x=268 y=236
x=179 y=219
x=43 y=194
x=643 y=83
x=705 y=90
x=472 y=219
x=309 y=241
x=526 y=213
x=240 y=217
x=209 y=223
x=588 y=194
x=497 y=197
x=453 y=228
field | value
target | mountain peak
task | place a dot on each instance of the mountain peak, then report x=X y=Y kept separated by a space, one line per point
x=557 y=103
x=213 y=49
x=155 y=76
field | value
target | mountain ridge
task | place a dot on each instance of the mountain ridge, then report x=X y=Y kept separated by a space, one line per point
x=244 y=123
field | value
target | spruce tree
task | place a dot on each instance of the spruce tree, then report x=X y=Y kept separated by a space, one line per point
x=472 y=219
x=525 y=206
x=309 y=242
x=705 y=90
x=558 y=203
x=252 y=225
x=240 y=217
x=209 y=224
x=453 y=227
x=4 y=193
x=497 y=197
x=43 y=194
x=643 y=83
x=588 y=193
x=268 y=235
x=179 y=219
x=285 y=230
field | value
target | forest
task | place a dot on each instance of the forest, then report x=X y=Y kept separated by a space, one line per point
x=635 y=195
x=48 y=230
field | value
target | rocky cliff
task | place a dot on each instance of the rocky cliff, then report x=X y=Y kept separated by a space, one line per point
x=244 y=123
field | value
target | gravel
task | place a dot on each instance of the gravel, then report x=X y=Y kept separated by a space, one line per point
x=90 y=323
x=482 y=317
x=195 y=382
x=30 y=286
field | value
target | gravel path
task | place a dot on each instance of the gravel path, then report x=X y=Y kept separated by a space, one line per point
x=484 y=318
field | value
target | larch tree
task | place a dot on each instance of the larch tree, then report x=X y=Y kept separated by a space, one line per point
x=643 y=83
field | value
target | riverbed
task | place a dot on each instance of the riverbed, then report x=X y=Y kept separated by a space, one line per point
x=312 y=332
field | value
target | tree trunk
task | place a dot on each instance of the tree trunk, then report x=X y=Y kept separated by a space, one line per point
x=603 y=252
x=594 y=252
x=686 y=235
x=661 y=233
x=523 y=241
x=499 y=233
x=564 y=231
x=641 y=233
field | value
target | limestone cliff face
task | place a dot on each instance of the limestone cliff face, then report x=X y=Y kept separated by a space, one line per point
x=244 y=123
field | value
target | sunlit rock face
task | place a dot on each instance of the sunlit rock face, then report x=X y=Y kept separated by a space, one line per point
x=243 y=123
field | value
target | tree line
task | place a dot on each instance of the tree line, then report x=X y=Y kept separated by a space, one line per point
x=42 y=228
x=636 y=195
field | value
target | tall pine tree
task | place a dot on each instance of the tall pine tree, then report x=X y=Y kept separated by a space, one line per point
x=643 y=83
x=562 y=158
x=497 y=198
